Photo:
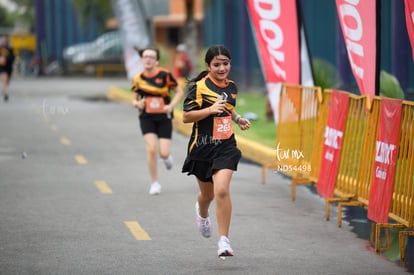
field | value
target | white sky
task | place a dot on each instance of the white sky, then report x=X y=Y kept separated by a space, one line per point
x=9 y=5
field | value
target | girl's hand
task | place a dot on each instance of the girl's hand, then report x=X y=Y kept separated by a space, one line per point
x=217 y=107
x=139 y=104
x=243 y=123
x=168 y=109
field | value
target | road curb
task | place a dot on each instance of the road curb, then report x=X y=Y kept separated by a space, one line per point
x=251 y=150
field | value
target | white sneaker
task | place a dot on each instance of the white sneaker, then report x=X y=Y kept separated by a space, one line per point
x=169 y=162
x=203 y=224
x=155 y=189
x=224 y=249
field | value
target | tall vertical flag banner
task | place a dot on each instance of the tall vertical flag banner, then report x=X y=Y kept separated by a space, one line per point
x=409 y=19
x=385 y=160
x=131 y=22
x=360 y=28
x=334 y=134
x=276 y=30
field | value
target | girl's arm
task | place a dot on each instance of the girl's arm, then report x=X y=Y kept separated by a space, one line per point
x=196 y=115
x=244 y=123
x=139 y=104
x=178 y=94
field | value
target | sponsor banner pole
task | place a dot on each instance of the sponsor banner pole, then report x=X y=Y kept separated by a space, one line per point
x=334 y=134
x=385 y=160
x=131 y=22
x=306 y=70
x=409 y=19
x=378 y=47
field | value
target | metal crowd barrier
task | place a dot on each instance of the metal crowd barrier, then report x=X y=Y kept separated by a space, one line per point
x=298 y=114
x=317 y=145
x=402 y=203
x=110 y=68
x=357 y=155
x=300 y=136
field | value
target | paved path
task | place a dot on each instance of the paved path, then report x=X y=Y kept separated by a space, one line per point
x=74 y=197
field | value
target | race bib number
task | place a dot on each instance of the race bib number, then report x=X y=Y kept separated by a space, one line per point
x=154 y=104
x=222 y=128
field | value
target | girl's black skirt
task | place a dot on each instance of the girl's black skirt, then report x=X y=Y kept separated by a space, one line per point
x=204 y=160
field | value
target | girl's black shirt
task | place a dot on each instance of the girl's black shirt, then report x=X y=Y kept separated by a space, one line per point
x=202 y=95
x=156 y=85
x=7 y=52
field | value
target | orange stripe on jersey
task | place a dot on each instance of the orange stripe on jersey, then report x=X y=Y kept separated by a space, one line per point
x=157 y=84
x=195 y=137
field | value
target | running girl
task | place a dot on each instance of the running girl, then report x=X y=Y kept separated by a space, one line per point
x=6 y=65
x=212 y=150
x=152 y=98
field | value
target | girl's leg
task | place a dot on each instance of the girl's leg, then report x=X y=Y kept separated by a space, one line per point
x=4 y=81
x=165 y=132
x=221 y=185
x=205 y=197
x=151 y=146
x=165 y=144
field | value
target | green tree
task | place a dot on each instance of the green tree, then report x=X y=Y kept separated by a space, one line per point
x=325 y=74
x=4 y=18
x=191 y=33
x=390 y=86
x=25 y=12
x=97 y=10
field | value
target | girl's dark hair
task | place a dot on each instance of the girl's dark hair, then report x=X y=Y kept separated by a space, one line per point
x=212 y=52
x=141 y=51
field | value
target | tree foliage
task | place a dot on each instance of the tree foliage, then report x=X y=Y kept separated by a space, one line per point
x=25 y=12
x=190 y=33
x=390 y=86
x=97 y=10
x=325 y=74
x=4 y=18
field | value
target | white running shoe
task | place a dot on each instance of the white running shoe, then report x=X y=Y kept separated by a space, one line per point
x=203 y=224
x=155 y=189
x=224 y=249
x=169 y=162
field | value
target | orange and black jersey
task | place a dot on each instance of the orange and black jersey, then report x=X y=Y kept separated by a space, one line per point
x=7 y=53
x=158 y=84
x=202 y=95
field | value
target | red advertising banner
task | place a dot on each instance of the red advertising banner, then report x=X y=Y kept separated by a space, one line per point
x=358 y=23
x=334 y=132
x=275 y=26
x=277 y=38
x=409 y=19
x=385 y=160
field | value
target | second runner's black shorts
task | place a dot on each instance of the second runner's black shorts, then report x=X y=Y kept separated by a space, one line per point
x=161 y=126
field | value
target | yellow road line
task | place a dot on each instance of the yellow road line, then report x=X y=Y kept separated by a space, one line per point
x=137 y=231
x=65 y=141
x=103 y=187
x=80 y=159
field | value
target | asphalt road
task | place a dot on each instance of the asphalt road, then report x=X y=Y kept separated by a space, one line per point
x=74 y=199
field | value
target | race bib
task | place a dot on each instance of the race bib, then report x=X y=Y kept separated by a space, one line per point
x=154 y=104
x=222 y=127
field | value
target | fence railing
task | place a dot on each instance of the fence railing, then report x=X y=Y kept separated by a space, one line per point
x=303 y=116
